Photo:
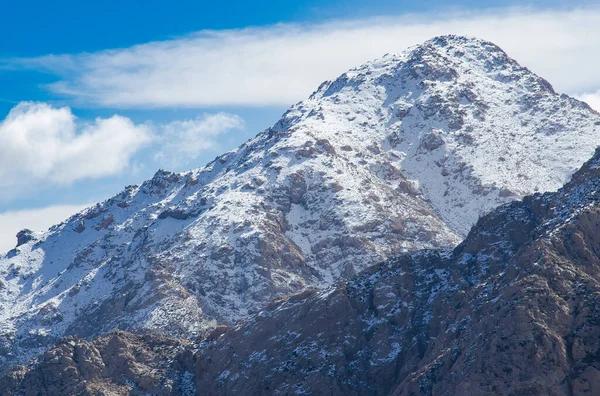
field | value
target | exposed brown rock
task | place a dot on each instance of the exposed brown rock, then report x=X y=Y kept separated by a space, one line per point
x=118 y=364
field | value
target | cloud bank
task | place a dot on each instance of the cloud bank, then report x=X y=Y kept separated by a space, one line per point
x=42 y=143
x=185 y=140
x=279 y=65
x=45 y=145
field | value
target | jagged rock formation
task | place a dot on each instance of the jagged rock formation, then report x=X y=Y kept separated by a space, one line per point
x=118 y=364
x=403 y=153
x=512 y=310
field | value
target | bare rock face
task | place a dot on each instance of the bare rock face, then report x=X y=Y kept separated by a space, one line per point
x=118 y=364
x=401 y=154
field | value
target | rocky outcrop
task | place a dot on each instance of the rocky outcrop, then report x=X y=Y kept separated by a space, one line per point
x=118 y=364
x=25 y=236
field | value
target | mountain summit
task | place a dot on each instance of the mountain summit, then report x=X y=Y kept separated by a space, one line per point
x=402 y=153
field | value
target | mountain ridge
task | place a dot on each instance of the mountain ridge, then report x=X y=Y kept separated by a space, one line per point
x=397 y=155
x=511 y=310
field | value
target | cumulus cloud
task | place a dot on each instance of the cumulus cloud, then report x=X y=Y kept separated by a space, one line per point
x=185 y=140
x=34 y=219
x=45 y=145
x=279 y=65
x=41 y=143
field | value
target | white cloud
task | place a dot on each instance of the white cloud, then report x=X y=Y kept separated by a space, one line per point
x=43 y=144
x=185 y=140
x=593 y=99
x=34 y=219
x=279 y=65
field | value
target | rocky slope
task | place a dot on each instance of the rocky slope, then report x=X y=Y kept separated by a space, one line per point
x=118 y=364
x=514 y=310
x=504 y=314
x=403 y=153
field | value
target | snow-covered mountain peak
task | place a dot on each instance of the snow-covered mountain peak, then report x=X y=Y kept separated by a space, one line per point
x=402 y=153
x=463 y=119
x=437 y=60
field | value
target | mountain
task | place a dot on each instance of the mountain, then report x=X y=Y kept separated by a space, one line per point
x=513 y=310
x=401 y=154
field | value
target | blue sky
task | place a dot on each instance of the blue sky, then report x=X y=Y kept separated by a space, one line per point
x=42 y=27
x=110 y=85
